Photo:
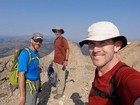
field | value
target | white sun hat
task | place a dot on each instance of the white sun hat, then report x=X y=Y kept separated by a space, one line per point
x=102 y=31
x=59 y=29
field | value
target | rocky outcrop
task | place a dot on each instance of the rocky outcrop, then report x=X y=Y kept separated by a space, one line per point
x=80 y=69
x=130 y=54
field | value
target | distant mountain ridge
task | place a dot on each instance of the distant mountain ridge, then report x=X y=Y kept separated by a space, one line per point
x=8 y=45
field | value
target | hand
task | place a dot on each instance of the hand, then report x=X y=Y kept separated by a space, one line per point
x=65 y=63
x=137 y=101
x=64 y=67
x=22 y=100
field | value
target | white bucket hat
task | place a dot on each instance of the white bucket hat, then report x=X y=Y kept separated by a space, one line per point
x=59 y=29
x=102 y=31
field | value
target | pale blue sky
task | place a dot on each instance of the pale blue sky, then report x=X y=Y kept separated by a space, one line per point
x=24 y=17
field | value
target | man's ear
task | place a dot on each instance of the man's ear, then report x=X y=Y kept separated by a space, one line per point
x=118 y=45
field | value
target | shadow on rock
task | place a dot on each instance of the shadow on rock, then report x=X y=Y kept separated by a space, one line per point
x=77 y=99
x=44 y=95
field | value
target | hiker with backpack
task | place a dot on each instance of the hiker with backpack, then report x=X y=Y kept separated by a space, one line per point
x=28 y=71
x=115 y=83
x=60 y=62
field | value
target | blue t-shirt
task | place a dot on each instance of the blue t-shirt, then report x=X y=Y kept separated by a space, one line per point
x=31 y=70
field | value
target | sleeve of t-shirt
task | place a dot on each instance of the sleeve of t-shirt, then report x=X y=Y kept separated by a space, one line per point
x=66 y=46
x=130 y=85
x=23 y=61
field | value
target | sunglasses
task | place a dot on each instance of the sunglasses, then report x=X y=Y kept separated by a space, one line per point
x=38 y=40
x=57 y=31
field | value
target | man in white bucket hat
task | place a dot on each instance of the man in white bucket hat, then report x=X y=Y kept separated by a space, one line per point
x=115 y=83
x=60 y=62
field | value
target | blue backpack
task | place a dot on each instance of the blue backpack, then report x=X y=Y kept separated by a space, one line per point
x=52 y=76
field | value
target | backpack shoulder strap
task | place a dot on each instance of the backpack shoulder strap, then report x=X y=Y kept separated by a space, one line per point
x=113 y=94
x=123 y=65
x=29 y=53
x=98 y=92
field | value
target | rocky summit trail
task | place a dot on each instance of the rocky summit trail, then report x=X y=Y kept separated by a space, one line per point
x=80 y=70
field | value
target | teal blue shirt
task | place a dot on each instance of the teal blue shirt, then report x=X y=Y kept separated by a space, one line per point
x=31 y=70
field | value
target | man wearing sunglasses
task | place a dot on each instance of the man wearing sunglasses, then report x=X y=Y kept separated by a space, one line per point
x=61 y=54
x=29 y=75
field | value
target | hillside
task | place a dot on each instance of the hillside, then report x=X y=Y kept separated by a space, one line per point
x=131 y=55
x=80 y=69
x=10 y=44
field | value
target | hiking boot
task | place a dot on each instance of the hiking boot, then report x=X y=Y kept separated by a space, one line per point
x=58 y=96
x=54 y=92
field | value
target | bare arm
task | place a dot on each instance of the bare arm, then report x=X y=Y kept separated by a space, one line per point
x=21 y=82
x=67 y=57
x=67 y=54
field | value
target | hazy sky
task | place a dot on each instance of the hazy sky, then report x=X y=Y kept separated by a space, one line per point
x=24 y=17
